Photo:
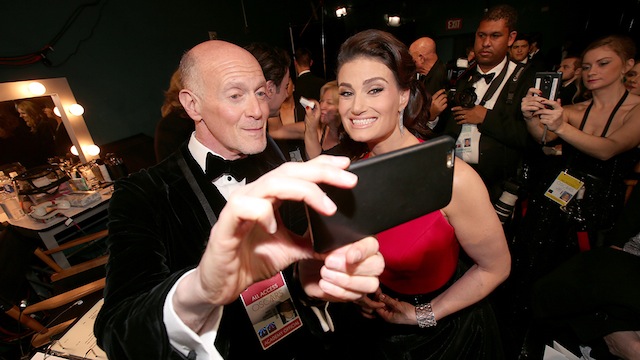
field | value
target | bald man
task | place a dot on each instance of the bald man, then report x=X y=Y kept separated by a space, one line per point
x=197 y=244
x=433 y=74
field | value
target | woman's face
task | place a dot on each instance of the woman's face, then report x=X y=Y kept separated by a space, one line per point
x=632 y=82
x=370 y=100
x=329 y=107
x=602 y=67
x=27 y=118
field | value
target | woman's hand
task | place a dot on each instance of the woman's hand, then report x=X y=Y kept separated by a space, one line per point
x=396 y=312
x=548 y=111
x=369 y=306
x=312 y=117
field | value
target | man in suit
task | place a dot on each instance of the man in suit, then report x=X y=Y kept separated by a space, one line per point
x=571 y=69
x=307 y=84
x=493 y=123
x=180 y=254
x=433 y=74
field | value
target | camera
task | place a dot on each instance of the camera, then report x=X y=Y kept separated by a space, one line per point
x=466 y=97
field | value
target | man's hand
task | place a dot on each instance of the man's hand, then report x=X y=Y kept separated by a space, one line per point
x=348 y=273
x=249 y=243
x=474 y=115
x=438 y=104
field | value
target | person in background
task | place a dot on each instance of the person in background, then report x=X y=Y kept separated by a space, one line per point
x=571 y=69
x=275 y=63
x=429 y=305
x=175 y=126
x=594 y=297
x=186 y=237
x=307 y=83
x=519 y=50
x=41 y=129
x=600 y=140
x=536 y=58
x=493 y=122
x=285 y=130
x=432 y=72
x=61 y=140
x=324 y=132
x=286 y=115
x=632 y=78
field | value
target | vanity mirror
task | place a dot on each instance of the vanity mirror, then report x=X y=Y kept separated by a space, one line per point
x=15 y=100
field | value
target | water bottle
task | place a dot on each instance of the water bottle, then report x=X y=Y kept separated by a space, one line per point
x=9 y=197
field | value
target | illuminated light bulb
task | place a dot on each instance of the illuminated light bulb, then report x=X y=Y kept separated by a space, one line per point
x=76 y=109
x=91 y=150
x=37 y=88
x=73 y=150
x=393 y=21
x=56 y=111
x=341 y=11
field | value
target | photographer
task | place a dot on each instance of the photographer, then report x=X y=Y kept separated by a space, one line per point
x=484 y=111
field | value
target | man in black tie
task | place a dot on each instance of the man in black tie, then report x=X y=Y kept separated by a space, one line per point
x=186 y=238
x=492 y=125
x=433 y=74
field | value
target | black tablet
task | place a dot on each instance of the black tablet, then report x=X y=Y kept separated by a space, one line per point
x=392 y=189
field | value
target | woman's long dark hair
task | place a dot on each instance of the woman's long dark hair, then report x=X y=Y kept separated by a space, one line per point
x=384 y=47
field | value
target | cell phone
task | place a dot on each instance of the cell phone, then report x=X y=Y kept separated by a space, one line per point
x=548 y=83
x=306 y=102
x=392 y=189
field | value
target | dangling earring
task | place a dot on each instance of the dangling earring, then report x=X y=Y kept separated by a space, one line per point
x=401 y=124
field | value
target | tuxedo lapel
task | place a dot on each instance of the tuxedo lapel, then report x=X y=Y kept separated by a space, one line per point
x=201 y=186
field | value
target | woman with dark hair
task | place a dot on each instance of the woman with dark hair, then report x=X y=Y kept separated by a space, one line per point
x=430 y=305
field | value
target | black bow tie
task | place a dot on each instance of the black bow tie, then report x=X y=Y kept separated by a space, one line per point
x=239 y=169
x=477 y=76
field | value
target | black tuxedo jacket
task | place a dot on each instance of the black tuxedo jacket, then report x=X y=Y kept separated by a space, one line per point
x=158 y=229
x=307 y=85
x=436 y=78
x=505 y=139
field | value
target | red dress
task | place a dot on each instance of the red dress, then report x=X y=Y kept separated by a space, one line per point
x=420 y=255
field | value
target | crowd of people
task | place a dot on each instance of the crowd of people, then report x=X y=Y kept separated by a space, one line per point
x=538 y=192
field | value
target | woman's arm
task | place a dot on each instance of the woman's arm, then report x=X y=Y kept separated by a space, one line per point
x=480 y=234
x=620 y=140
x=293 y=131
x=312 y=123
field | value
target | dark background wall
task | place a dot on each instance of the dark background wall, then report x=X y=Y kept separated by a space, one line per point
x=118 y=55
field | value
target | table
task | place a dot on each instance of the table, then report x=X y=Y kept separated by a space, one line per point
x=52 y=233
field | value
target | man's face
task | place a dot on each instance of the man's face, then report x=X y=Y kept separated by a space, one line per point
x=568 y=69
x=492 y=43
x=417 y=59
x=231 y=110
x=519 y=50
x=278 y=94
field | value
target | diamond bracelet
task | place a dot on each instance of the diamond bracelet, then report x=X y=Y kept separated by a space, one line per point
x=425 y=316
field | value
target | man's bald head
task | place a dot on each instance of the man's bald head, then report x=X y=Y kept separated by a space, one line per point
x=224 y=92
x=204 y=58
x=424 y=54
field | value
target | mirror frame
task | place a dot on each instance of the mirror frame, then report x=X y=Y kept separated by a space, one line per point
x=62 y=96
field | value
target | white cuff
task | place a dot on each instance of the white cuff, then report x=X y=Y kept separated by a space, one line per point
x=185 y=340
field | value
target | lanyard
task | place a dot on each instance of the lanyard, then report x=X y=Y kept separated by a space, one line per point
x=495 y=84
